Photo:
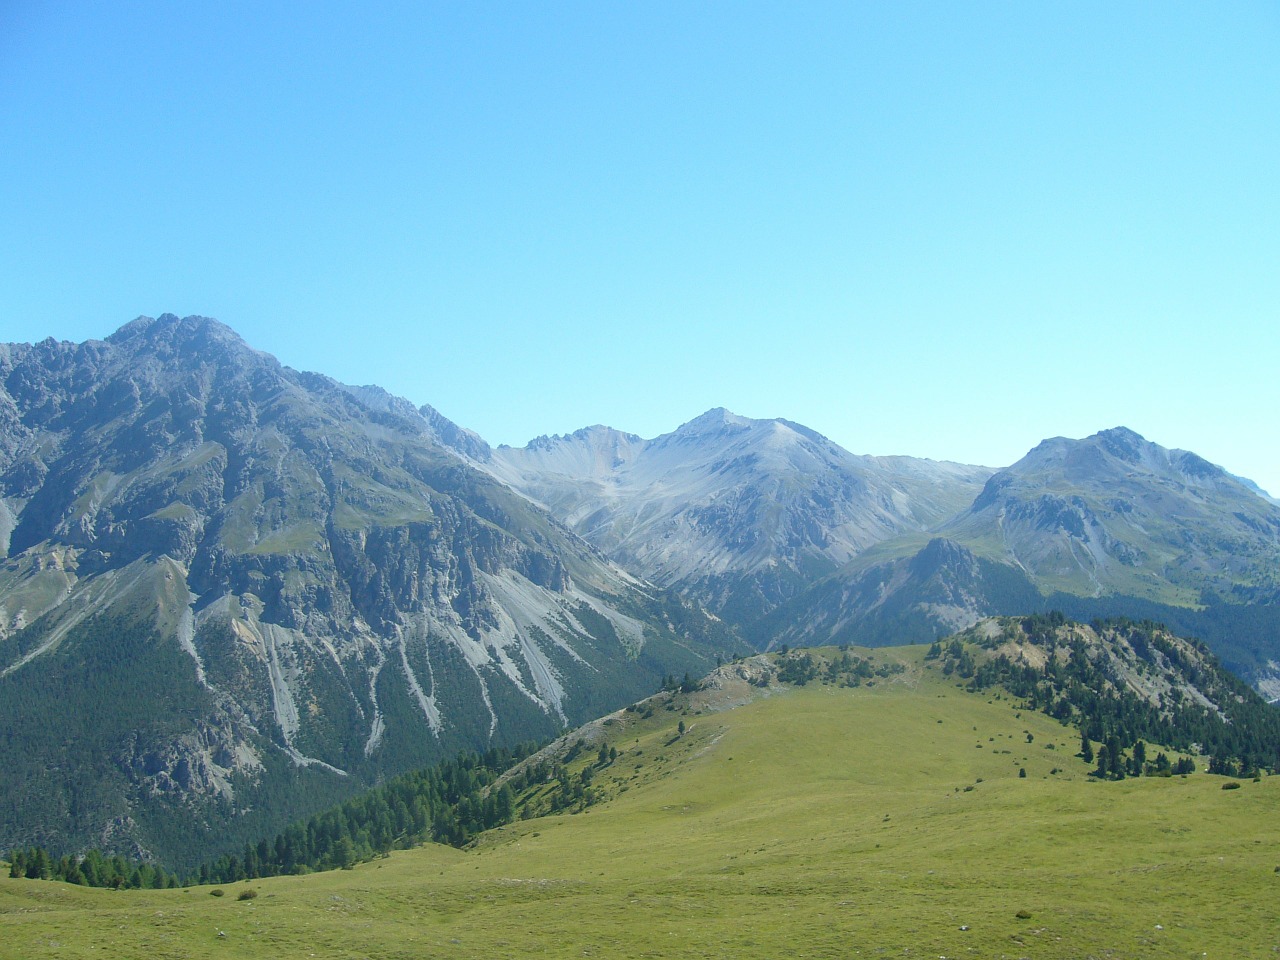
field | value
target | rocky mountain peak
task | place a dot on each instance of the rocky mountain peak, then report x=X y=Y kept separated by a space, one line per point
x=376 y=398
x=1105 y=514
x=715 y=420
x=596 y=436
x=179 y=334
x=1109 y=457
x=1122 y=442
x=331 y=596
x=456 y=438
x=1196 y=468
x=941 y=554
x=599 y=433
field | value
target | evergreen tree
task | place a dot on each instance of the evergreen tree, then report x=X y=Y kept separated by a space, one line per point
x=344 y=853
x=38 y=864
x=1139 y=759
x=1110 y=759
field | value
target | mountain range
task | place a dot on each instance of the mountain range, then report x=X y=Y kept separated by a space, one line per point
x=793 y=540
x=251 y=591
x=1106 y=525
x=740 y=514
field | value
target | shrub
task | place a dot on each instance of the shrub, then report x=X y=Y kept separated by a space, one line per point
x=217 y=892
x=248 y=893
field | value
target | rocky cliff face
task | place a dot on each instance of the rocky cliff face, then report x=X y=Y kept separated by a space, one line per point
x=347 y=595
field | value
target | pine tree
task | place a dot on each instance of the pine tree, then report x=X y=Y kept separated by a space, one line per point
x=1115 y=757
x=344 y=853
x=38 y=864
x=1139 y=758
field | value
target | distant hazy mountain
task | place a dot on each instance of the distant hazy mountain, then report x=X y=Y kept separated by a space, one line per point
x=230 y=591
x=1114 y=513
x=1257 y=489
x=741 y=514
x=1111 y=524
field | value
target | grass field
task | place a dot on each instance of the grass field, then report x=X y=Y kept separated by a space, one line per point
x=883 y=821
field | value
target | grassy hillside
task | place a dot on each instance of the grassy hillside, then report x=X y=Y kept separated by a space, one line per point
x=821 y=821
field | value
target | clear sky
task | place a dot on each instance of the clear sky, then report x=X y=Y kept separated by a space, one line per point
x=943 y=229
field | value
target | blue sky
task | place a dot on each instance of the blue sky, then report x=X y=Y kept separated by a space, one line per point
x=939 y=229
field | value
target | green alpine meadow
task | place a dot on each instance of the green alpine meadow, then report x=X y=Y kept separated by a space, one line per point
x=877 y=803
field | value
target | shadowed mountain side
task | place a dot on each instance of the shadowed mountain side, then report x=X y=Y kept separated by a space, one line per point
x=333 y=593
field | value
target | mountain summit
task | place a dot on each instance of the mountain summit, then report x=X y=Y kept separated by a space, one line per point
x=1111 y=524
x=1116 y=514
x=255 y=589
x=739 y=513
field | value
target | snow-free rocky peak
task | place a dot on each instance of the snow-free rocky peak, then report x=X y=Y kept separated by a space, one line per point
x=1112 y=523
x=1115 y=513
x=330 y=587
x=738 y=512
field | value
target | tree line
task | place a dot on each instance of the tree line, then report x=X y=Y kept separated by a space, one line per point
x=799 y=668
x=94 y=869
x=448 y=803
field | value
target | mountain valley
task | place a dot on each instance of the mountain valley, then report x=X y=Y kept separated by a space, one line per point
x=260 y=591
